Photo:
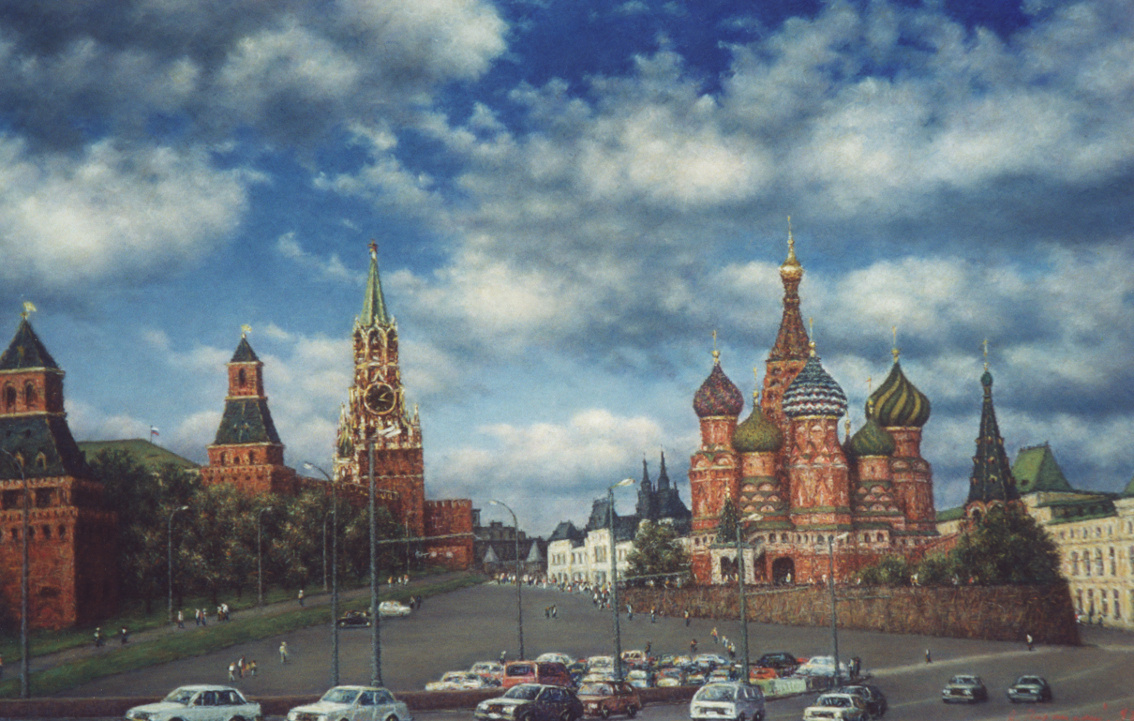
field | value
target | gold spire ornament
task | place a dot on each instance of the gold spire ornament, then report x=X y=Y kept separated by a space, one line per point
x=716 y=353
x=791 y=267
x=894 y=349
x=985 y=344
x=29 y=308
x=245 y=329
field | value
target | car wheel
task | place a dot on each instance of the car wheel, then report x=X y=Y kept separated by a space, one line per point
x=632 y=711
x=740 y=717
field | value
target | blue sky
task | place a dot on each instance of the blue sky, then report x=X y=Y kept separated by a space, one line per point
x=568 y=199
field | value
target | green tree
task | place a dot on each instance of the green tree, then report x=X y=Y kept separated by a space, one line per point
x=1007 y=546
x=219 y=551
x=656 y=551
x=727 y=522
x=890 y=571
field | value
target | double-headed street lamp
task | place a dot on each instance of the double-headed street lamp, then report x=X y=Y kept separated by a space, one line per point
x=169 y=559
x=740 y=586
x=260 y=553
x=614 y=577
x=334 y=569
x=519 y=584
x=834 y=615
x=25 y=646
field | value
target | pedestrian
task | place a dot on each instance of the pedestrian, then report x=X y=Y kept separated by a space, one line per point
x=716 y=637
x=1028 y=638
x=732 y=651
x=420 y=600
x=180 y=619
x=197 y=616
x=125 y=635
x=653 y=614
x=98 y=638
x=283 y=651
x=232 y=671
x=225 y=611
x=629 y=612
x=547 y=612
x=855 y=666
x=252 y=668
x=503 y=655
x=649 y=644
x=693 y=646
x=301 y=597
x=928 y=656
x=686 y=618
x=240 y=667
x=555 y=610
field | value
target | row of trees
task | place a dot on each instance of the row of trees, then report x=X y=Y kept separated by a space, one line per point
x=214 y=541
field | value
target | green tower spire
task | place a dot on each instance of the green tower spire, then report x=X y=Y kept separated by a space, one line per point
x=374 y=305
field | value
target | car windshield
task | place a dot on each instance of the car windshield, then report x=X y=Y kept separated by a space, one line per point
x=528 y=692
x=835 y=701
x=341 y=695
x=716 y=693
x=964 y=680
x=595 y=689
x=485 y=667
x=522 y=669
x=181 y=696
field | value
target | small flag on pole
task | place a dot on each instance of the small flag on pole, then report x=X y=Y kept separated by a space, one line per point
x=153 y=433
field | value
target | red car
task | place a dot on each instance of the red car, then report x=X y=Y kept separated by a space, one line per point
x=543 y=672
x=607 y=698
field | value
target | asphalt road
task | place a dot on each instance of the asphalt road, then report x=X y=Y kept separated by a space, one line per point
x=452 y=631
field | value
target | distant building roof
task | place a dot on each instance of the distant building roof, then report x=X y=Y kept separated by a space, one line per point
x=142 y=451
x=1036 y=470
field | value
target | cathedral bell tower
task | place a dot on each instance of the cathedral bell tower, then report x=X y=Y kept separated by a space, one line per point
x=376 y=413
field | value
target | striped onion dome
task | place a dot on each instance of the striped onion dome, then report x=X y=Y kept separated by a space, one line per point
x=717 y=396
x=814 y=393
x=898 y=403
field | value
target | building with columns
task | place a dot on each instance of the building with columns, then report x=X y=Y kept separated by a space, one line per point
x=794 y=482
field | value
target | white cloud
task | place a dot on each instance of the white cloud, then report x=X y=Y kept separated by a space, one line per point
x=329 y=268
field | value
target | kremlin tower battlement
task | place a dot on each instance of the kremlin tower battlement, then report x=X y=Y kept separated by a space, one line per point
x=797 y=487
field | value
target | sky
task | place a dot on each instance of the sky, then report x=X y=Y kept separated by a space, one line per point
x=568 y=199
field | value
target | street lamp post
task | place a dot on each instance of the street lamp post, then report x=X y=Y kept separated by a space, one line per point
x=614 y=577
x=740 y=585
x=325 y=518
x=375 y=635
x=334 y=569
x=25 y=646
x=260 y=553
x=834 y=615
x=169 y=536
x=519 y=585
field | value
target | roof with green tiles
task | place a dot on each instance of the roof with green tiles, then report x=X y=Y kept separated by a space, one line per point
x=26 y=351
x=1036 y=470
x=45 y=444
x=246 y=420
x=143 y=452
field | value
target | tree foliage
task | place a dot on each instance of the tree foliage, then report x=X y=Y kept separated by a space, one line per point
x=727 y=522
x=657 y=551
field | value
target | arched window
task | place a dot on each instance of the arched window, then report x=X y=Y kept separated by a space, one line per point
x=1074 y=563
x=29 y=394
x=241 y=377
x=1098 y=562
x=1113 y=564
x=9 y=397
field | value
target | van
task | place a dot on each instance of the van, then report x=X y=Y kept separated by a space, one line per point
x=546 y=672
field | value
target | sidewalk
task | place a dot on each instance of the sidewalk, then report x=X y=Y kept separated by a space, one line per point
x=314 y=600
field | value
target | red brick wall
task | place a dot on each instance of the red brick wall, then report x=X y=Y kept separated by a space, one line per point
x=448 y=517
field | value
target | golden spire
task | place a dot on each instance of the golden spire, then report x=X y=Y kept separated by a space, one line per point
x=811 y=335
x=894 y=350
x=716 y=353
x=29 y=308
x=373 y=248
x=791 y=266
x=985 y=344
x=756 y=389
x=245 y=330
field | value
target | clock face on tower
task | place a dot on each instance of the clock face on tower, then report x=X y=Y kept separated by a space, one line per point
x=379 y=399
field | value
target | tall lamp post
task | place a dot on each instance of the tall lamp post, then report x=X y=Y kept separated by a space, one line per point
x=25 y=646
x=834 y=616
x=260 y=553
x=614 y=577
x=519 y=585
x=169 y=559
x=740 y=589
x=334 y=569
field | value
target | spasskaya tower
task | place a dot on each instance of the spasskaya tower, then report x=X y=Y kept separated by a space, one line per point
x=376 y=411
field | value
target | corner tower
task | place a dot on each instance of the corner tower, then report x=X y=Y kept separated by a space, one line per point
x=376 y=415
x=247 y=451
x=992 y=482
x=72 y=554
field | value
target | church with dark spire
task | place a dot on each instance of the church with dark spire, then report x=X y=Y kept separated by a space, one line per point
x=794 y=482
x=992 y=482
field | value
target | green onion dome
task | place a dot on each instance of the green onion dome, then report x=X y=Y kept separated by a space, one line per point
x=717 y=396
x=814 y=393
x=898 y=403
x=757 y=434
x=872 y=440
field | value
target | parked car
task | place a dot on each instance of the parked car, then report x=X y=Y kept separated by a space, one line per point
x=531 y=702
x=489 y=670
x=354 y=619
x=964 y=688
x=353 y=703
x=727 y=701
x=821 y=666
x=876 y=703
x=719 y=675
x=641 y=678
x=556 y=658
x=600 y=662
x=606 y=699
x=634 y=656
x=783 y=662
x=459 y=681
x=577 y=671
x=202 y=702
x=1029 y=688
x=672 y=676
x=539 y=672
x=393 y=608
x=836 y=706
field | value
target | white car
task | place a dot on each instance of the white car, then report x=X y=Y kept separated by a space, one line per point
x=733 y=701
x=821 y=666
x=837 y=707
x=457 y=681
x=353 y=703
x=488 y=670
x=393 y=608
x=199 y=703
x=556 y=658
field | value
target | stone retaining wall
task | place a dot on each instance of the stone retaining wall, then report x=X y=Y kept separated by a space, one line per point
x=997 y=613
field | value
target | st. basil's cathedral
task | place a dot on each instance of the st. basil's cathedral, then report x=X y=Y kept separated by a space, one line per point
x=806 y=500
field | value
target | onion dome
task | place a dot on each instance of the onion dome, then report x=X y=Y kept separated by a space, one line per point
x=757 y=434
x=791 y=268
x=898 y=403
x=717 y=396
x=872 y=440
x=814 y=393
